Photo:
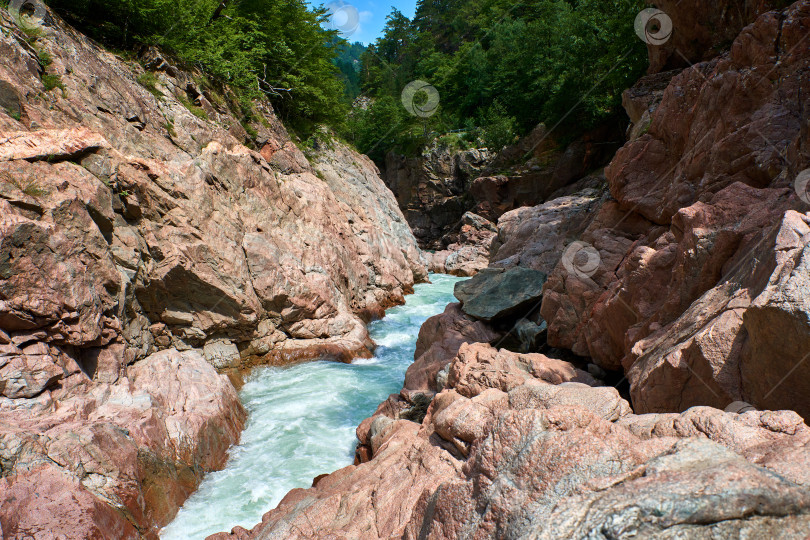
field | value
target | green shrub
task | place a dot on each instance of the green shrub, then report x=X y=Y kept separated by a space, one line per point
x=51 y=81
x=148 y=80
x=498 y=130
x=45 y=59
x=16 y=115
x=194 y=109
x=169 y=127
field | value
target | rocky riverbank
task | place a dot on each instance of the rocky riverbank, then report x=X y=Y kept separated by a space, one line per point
x=681 y=281
x=152 y=233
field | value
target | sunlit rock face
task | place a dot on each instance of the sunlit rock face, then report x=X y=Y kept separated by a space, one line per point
x=143 y=245
x=522 y=445
x=696 y=296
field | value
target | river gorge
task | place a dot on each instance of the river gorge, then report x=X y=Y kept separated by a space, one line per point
x=302 y=420
x=625 y=356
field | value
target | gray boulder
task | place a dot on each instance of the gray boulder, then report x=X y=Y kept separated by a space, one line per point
x=495 y=294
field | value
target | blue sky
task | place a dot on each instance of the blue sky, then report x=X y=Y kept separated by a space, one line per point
x=371 y=14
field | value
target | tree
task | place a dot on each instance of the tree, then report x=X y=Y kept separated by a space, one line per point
x=512 y=65
x=272 y=48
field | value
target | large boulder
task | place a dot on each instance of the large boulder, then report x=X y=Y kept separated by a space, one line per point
x=467 y=251
x=496 y=294
x=514 y=447
x=439 y=340
x=536 y=237
x=116 y=458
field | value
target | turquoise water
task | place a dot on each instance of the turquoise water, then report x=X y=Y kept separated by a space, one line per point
x=302 y=419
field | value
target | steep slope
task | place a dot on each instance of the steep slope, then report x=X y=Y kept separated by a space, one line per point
x=145 y=239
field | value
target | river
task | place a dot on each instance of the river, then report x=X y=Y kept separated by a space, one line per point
x=302 y=419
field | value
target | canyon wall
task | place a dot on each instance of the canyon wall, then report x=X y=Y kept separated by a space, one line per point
x=152 y=233
x=634 y=361
x=435 y=190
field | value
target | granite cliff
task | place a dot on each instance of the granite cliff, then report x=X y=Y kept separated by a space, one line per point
x=154 y=236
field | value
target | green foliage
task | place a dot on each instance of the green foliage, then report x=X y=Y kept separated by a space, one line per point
x=32 y=33
x=348 y=61
x=169 y=126
x=194 y=109
x=250 y=130
x=28 y=186
x=148 y=80
x=498 y=129
x=16 y=115
x=501 y=67
x=386 y=125
x=51 y=81
x=273 y=48
x=44 y=59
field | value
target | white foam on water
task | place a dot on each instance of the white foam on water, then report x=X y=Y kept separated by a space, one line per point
x=302 y=420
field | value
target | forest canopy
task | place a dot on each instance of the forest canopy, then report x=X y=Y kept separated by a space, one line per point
x=500 y=68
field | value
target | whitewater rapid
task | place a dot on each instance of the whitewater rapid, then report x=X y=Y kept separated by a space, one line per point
x=302 y=419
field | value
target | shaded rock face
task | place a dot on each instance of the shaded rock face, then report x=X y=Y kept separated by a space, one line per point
x=695 y=296
x=525 y=446
x=533 y=170
x=702 y=30
x=437 y=189
x=141 y=246
x=468 y=250
x=432 y=189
